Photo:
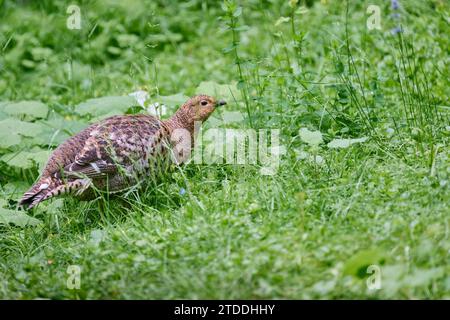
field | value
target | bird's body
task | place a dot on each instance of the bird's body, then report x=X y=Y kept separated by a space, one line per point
x=116 y=153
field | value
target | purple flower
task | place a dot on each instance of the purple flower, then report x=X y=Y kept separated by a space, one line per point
x=395 y=5
x=182 y=191
x=396 y=30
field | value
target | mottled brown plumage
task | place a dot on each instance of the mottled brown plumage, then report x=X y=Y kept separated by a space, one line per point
x=118 y=152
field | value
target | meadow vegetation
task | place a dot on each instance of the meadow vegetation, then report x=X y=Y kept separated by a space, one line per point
x=363 y=177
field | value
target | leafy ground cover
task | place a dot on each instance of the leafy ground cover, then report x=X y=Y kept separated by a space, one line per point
x=360 y=193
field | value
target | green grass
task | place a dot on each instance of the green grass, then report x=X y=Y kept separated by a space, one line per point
x=309 y=231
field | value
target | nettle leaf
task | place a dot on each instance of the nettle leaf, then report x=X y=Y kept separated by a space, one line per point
x=106 y=105
x=282 y=20
x=313 y=138
x=17 y=218
x=301 y=10
x=237 y=12
x=28 y=110
x=165 y=38
x=229 y=92
x=344 y=143
x=26 y=159
x=12 y=131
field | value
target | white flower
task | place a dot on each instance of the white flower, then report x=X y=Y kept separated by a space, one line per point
x=157 y=110
x=140 y=97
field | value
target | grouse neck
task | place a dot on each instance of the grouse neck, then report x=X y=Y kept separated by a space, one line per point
x=181 y=120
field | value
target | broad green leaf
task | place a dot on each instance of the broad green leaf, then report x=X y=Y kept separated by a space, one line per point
x=232 y=117
x=9 y=140
x=105 y=105
x=174 y=100
x=357 y=265
x=225 y=118
x=17 y=218
x=26 y=159
x=3 y=203
x=50 y=206
x=3 y=115
x=57 y=129
x=50 y=136
x=228 y=92
x=12 y=131
x=28 y=110
x=106 y=115
x=313 y=138
x=15 y=189
x=14 y=126
x=344 y=143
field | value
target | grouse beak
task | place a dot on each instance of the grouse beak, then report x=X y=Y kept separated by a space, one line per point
x=221 y=103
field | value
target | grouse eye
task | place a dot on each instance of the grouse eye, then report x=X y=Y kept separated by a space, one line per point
x=204 y=102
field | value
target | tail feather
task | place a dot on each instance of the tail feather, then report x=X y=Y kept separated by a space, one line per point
x=47 y=189
x=28 y=197
x=35 y=200
x=37 y=193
